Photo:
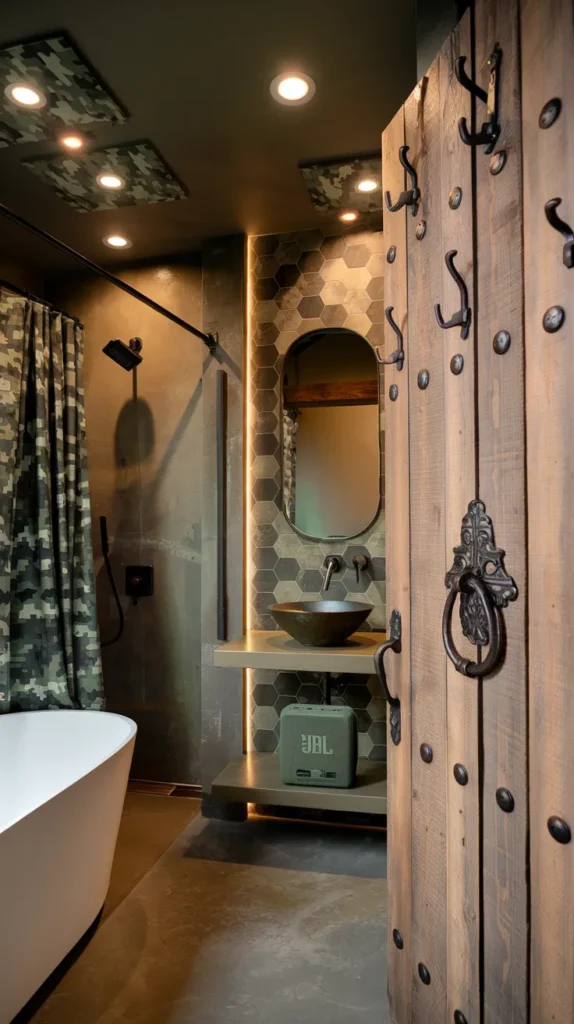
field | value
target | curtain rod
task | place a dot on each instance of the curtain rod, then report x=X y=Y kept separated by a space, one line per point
x=209 y=339
x=35 y=298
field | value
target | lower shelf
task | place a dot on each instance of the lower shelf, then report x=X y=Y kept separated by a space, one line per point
x=254 y=779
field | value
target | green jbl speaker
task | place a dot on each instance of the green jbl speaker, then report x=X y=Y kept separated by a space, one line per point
x=318 y=745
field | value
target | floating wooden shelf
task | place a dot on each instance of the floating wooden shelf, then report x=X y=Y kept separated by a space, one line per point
x=353 y=392
x=254 y=778
x=275 y=649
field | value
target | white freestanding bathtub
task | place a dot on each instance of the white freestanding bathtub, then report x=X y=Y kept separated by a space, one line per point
x=63 y=778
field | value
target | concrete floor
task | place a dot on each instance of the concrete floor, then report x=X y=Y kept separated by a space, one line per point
x=265 y=922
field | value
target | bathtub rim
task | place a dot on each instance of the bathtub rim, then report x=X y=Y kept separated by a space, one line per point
x=78 y=778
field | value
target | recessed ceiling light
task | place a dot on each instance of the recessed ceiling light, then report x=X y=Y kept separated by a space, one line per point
x=24 y=95
x=348 y=216
x=117 y=242
x=72 y=141
x=292 y=88
x=109 y=180
x=367 y=185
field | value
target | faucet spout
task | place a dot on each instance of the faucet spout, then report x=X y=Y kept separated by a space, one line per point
x=332 y=564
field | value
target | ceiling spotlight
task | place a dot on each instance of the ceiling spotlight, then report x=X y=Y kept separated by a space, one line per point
x=72 y=141
x=24 y=95
x=117 y=242
x=367 y=185
x=109 y=180
x=292 y=88
x=348 y=216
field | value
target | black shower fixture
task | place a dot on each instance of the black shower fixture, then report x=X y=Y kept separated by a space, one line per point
x=126 y=356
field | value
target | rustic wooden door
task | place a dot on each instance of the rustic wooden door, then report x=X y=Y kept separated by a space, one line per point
x=478 y=423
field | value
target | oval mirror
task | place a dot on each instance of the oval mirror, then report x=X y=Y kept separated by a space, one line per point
x=331 y=453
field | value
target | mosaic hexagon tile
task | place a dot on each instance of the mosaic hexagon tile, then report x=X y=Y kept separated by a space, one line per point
x=147 y=177
x=300 y=282
x=75 y=94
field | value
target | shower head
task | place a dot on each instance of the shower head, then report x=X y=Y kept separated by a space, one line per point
x=126 y=356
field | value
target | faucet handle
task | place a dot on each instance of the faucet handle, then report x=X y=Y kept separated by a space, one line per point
x=360 y=562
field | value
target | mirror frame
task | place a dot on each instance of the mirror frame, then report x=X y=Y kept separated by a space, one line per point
x=307 y=536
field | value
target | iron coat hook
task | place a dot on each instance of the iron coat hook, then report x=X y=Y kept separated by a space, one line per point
x=392 y=644
x=398 y=356
x=463 y=316
x=412 y=196
x=560 y=225
x=490 y=131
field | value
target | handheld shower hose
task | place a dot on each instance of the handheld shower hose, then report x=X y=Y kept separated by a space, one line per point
x=106 y=556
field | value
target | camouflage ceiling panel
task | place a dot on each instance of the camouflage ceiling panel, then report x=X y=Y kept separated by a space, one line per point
x=332 y=185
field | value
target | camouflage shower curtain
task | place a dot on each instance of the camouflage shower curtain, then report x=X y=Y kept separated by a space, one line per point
x=49 y=649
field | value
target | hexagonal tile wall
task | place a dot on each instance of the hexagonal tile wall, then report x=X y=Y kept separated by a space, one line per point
x=301 y=282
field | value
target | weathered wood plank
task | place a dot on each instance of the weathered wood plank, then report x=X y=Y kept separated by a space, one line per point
x=502 y=487
x=348 y=392
x=427 y=511
x=547 y=33
x=463 y=802
x=398 y=587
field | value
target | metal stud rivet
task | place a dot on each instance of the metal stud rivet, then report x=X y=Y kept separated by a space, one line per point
x=553 y=319
x=459 y=1017
x=456 y=364
x=421 y=230
x=426 y=753
x=391 y=255
x=505 y=800
x=550 y=111
x=398 y=939
x=455 y=197
x=501 y=342
x=423 y=379
x=497 y=162
x=559 y=829
x=393 y=392
x=460 y=773
x=424 y=974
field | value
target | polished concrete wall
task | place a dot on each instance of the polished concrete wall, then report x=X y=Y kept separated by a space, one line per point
x=145 y=465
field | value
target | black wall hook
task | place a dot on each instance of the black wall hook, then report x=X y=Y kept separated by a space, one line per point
x=560 y=225
x=413 y=195
x=463 y=316
x=392 y=643
x=398 y=356
x=490 y=131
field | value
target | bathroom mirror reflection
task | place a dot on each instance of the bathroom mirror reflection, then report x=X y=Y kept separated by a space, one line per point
x=331 y=462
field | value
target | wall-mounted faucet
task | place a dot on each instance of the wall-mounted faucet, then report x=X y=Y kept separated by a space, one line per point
x=332 y=564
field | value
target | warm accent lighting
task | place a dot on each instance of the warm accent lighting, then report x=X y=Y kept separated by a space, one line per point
x=248 y=678
x=292 y=88
x=117 y=242
x=72 y=141
x=24 y=95
x=348 y=216
x=367 y=185
x=109 y=180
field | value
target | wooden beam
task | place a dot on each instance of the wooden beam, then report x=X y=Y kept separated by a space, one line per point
x=349 y=392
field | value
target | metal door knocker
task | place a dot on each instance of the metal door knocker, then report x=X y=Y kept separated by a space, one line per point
x=490 y=131
x=479 y=577
x=392 y=644
x=463 y=316
x=412 y=196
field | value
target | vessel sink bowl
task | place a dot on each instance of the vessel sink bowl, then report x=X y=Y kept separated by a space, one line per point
x=320 y=623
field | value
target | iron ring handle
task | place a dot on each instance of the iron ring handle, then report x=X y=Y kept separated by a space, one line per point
x=466 y=667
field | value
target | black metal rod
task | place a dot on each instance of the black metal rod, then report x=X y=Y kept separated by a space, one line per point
x=208 y=339
x=221 y=474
